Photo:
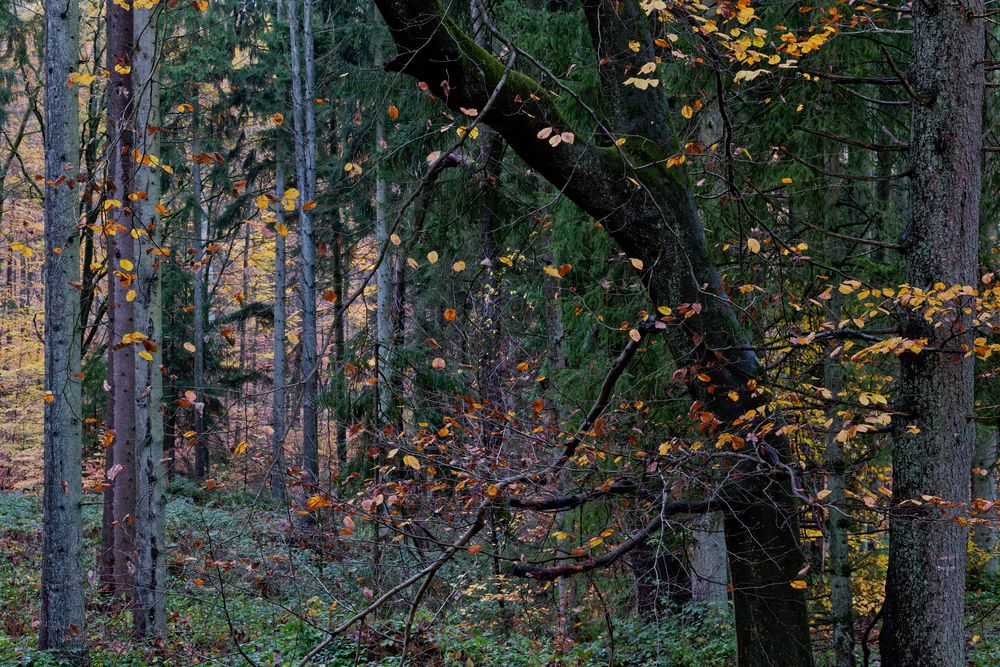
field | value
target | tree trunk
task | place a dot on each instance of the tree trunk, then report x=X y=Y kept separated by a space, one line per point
x=707 y=560
x=838 y=520
x=984 y=487
x=62 y=627
x=278 y=489
x=149 y=613
x=657 y=224
x=199 y=224
x=383 y=278
x=927 y=549
x=122 y=262
x=305 y=173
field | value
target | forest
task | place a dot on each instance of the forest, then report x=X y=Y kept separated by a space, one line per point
x=514 y=333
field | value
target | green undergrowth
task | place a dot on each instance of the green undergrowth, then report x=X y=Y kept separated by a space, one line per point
x=245 y=590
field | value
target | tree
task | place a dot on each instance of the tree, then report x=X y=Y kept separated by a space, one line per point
x=62 y=628
x=932 y=456
x=649 y=213
x=304 y=124
x=149 y=606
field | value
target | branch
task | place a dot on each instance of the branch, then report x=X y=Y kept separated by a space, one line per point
x=550 y=573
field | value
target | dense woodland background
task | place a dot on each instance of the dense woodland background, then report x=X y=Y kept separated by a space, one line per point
x=499 y=332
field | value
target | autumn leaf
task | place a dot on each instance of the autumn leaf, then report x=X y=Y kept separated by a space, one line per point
x=753 y=245
x=450 y=314
x=314 y=503
x=798 y=584
x=636 y=263
x=393 y=111
x=281 y=229
x=432 y=256
x=438 y=364
x=278 y=118
x=458 y=266
x=189 y=346
x=24 y=250
x=411 y=461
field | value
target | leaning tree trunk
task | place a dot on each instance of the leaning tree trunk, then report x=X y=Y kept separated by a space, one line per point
x=61 y=629
x=649 y=212
x=149 y=609
x=122 y=263
x=927 y=548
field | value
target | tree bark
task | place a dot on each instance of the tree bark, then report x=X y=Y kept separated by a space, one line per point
x=122 y=262
x=277 y=476
x=304 y=126
x=927 y=549
x=199 y=224
x=62 y=628
x=383 y=277
x=656 y=223
x=984 y=487
x=149 y=613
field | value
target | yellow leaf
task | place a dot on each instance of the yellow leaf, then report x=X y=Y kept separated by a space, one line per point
x=823 y=494
x=394 y=239
x=317 y=502
x=130 y=295
x=19 y=247
x=687 y=111
x=240 y=448
x=552 y=271
x=263 y=202
x=278 y=118
x=189 y=346
x=49 y=397
x=786 y=181
x=201 y=5
x=411 y=461
x=432 y=256
x=282 y=229
x=126 y=264
x=458 y=266
x=438 y=364
x=146 y=355
x=753 y=244
x=122 y=69
x=637 y=263
x=635 y=335
x=798 y=584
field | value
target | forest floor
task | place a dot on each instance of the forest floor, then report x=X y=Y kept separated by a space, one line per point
x=244 y=590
